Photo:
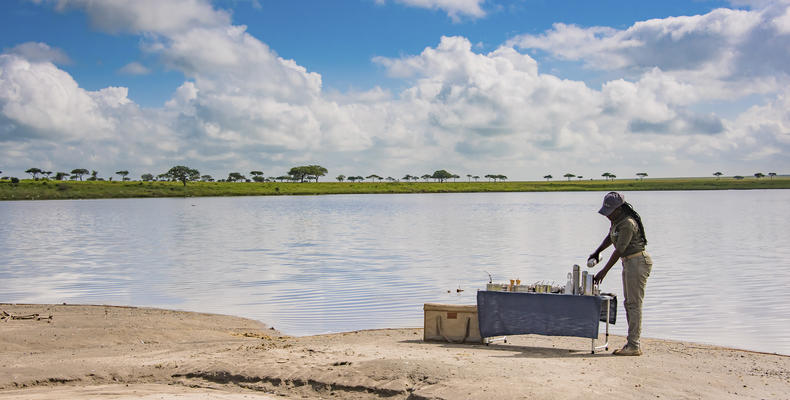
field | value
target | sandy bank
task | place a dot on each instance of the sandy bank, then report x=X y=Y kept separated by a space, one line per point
x=89 y=352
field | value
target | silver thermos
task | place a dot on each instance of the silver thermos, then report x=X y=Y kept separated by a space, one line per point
x=576 y=276
x=584 y=283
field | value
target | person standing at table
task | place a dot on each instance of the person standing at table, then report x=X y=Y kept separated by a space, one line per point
x=627 y=234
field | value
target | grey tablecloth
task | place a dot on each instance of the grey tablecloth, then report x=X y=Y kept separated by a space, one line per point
x=505 y=313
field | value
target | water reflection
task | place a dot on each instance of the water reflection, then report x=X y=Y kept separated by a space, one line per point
x=333 y=263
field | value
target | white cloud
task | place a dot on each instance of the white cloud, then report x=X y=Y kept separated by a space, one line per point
x=719 y=39
x=134 y=68
x=42 y=100
x=37 y=52
x=242 y=106
x=165 y=17
x=454 y=8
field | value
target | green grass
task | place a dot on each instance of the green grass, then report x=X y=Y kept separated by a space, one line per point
x=45 y=190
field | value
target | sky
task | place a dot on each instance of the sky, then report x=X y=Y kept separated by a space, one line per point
x=522 y=88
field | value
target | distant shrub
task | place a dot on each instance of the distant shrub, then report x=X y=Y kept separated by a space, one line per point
x=14 y=180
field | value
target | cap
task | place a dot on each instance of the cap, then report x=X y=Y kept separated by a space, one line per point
x=611 y=201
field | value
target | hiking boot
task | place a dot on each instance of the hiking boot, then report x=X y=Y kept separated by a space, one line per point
x=628 y=351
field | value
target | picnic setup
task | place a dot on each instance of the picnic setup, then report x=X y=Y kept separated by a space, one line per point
x=575 y=309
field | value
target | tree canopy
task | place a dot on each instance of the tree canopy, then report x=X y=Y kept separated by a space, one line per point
x=303 y=172
x=235 y=177
x=441 y=175
x=79 y=172
x=183 y=174
x=34 y=172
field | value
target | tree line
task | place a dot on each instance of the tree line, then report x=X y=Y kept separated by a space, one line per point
x=305 y=173
x=643 y=175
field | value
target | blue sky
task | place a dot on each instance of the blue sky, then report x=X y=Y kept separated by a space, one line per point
x=391 y=87
x=335 y=38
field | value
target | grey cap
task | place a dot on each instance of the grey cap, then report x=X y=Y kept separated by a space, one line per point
x=611 y=201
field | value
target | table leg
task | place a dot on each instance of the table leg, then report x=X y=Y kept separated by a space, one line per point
x=605 y=345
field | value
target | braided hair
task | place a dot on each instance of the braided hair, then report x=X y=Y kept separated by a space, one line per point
x=629 y=210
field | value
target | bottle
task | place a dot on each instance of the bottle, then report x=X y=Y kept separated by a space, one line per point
x=591 y=262
x=589 y=285
x=576 y=277
x=569 y=284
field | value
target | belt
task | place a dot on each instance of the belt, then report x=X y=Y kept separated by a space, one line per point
x=630 y=256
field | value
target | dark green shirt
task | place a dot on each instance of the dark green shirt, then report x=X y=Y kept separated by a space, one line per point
x=625 y=236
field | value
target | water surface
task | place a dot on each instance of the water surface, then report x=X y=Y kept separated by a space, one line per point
x=317 y=264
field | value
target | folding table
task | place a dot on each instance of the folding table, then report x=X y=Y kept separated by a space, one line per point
x=517 y=313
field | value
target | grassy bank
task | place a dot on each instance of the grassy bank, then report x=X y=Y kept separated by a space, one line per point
x=46 y=190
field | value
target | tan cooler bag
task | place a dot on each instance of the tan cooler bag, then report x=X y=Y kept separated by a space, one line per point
x=451 y=323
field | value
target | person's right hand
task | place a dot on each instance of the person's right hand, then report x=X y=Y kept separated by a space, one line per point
x=598 y=278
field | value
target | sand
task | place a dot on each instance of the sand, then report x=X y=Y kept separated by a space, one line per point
x=92 y=352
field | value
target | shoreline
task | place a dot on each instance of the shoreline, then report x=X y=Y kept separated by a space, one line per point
x=61 y=190
x=87 y=351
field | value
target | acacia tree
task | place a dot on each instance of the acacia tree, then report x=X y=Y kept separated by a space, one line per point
x=759 y=175
x=772 y=174
x=147 y=177
x=235 y=177
x=373 y=176
x=59 y=176
x=316 y=171
x=34 y=172
x=718 y=174
x=122 y=174
x=257 y=176
x=548 y=177
x=569 y=176
x=475 y=178
x=441 y=175
x=79 y=172
x=341 y=177
x=313 y=171
x=641 y=175
x=183 y=174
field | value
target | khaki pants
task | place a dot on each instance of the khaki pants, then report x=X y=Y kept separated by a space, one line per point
x=636 y=269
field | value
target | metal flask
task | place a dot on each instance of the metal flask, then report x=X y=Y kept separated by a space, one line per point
x=584 y=283
x=576 y=276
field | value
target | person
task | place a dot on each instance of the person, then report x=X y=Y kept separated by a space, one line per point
x=627 y=234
